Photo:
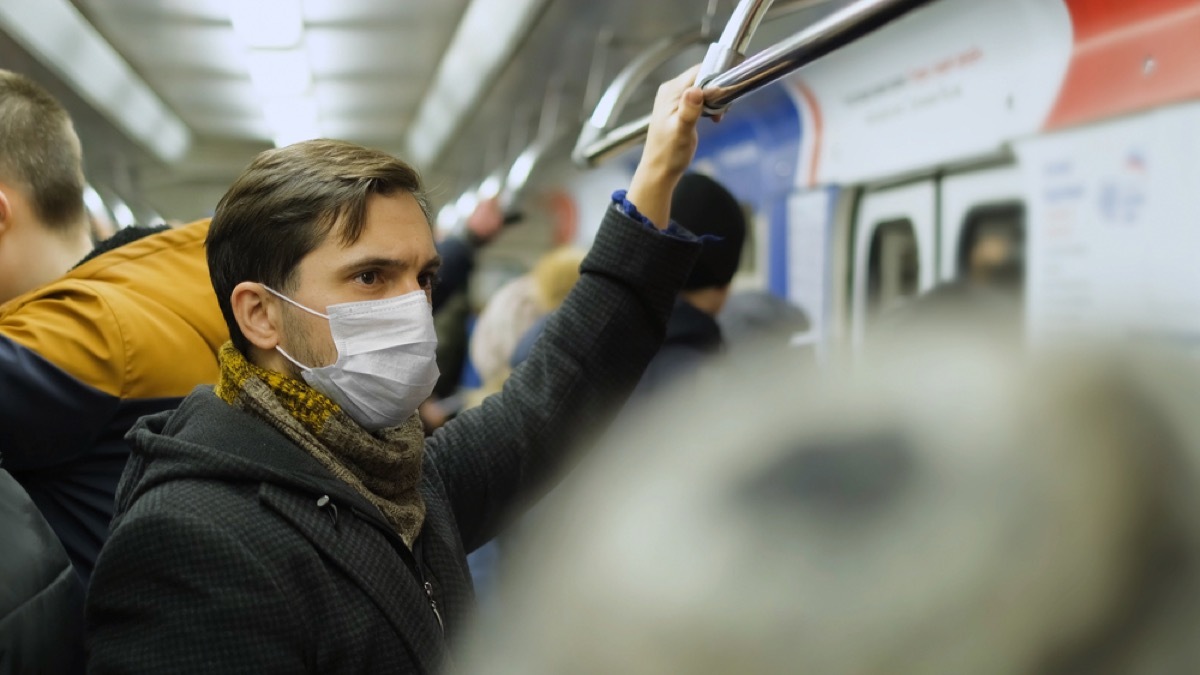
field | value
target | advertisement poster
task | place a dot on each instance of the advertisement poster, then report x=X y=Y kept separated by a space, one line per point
x=1114 y=213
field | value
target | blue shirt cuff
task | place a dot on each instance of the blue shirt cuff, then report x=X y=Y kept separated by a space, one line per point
x=674 y=229
x=621 y=201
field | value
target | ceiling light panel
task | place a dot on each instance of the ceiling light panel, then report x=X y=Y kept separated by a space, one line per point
x=292 y=119
x=267 y=24
x=279 y=72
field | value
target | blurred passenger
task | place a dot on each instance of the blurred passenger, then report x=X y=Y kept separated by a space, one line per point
x=294 y=518
x=752 y=317
x=554 y=276
x=41 y=597
x=516 y=314
x=44 y=227
x=992 y=254
x=458 y=250
x=952 y=507
x=707 y=209
x=451 y=308
x=508 y=314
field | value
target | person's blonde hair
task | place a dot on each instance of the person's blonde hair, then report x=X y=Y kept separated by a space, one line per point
x=554 y=276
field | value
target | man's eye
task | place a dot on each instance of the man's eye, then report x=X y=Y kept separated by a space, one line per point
x=368 y=278
x=429 y=281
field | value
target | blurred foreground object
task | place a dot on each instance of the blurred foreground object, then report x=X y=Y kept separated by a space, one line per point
x=943 y=507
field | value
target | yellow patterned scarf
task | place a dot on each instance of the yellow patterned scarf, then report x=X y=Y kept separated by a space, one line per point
x=385 y=468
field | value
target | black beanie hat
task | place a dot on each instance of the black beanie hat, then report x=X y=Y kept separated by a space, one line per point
x=705 y=208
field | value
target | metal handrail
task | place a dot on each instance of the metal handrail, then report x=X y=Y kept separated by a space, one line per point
x=730 y=50
x=820 y=39
x=613 y=101
x=734 y=40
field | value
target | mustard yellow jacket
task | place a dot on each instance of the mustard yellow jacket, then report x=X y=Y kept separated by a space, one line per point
x=127 y=333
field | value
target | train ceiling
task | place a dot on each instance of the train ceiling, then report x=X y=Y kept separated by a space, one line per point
x=457 y=86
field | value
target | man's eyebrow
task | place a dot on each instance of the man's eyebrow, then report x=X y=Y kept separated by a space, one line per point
x=388 y=263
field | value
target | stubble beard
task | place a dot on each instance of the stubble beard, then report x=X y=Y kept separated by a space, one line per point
x=302 y=346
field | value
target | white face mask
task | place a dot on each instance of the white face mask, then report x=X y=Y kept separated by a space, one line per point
x=386 y=363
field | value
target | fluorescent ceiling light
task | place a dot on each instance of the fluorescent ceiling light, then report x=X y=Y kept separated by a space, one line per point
x=486 y=39
x=58 y=36
x=447 y=217
x=269 y=24
x=521 y=168
x=292 y=120
x=93 y=201
x=490 y=186
x=467 y=202
x=279 y=72
x=122 y=213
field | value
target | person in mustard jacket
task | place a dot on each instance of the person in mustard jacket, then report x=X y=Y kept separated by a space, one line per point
x=127 y=333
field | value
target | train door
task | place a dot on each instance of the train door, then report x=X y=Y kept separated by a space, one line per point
x=894 y=251
x=983 y=227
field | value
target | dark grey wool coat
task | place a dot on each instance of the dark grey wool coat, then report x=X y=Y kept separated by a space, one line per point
x=233 y=551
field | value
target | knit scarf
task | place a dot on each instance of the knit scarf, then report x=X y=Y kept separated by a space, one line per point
x=385 y=467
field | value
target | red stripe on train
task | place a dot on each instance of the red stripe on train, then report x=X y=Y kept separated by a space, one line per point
x=1129 y=55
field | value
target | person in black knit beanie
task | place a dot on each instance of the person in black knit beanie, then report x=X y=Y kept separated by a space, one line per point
x=708 y=210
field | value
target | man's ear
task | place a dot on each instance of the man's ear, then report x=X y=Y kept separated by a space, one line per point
x=5 y=210
x=256 y=315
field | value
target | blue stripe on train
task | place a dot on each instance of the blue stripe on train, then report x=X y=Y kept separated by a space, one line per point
x=754 y=152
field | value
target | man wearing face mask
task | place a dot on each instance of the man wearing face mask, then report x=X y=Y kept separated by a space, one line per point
x=293 y=518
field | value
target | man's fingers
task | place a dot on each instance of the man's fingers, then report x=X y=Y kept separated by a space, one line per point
x=691 y=105
x=670 y=91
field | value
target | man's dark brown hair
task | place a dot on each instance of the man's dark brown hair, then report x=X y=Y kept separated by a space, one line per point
x=40 y=153
x=285 y=204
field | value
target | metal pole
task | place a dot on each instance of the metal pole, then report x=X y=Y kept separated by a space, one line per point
x=835 y=31
x=598 y=127
x=820 y=39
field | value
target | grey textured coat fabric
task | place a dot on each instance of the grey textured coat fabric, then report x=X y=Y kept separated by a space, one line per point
x=234 y=551
x=41 y=596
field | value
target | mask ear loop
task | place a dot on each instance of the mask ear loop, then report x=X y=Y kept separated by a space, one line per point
x=314 y=312
x=296 y=363
x=285 y=298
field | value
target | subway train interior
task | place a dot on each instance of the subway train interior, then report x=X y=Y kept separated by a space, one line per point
x=1046 y=152
x=1047 y=135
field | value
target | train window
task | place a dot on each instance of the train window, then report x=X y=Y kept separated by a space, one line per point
x=991 y=250
x=893 y=266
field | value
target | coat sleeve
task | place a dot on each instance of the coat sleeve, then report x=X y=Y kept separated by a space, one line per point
x=579 y=373
x=62 y=368
x=41 y=606
x=176 y=594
